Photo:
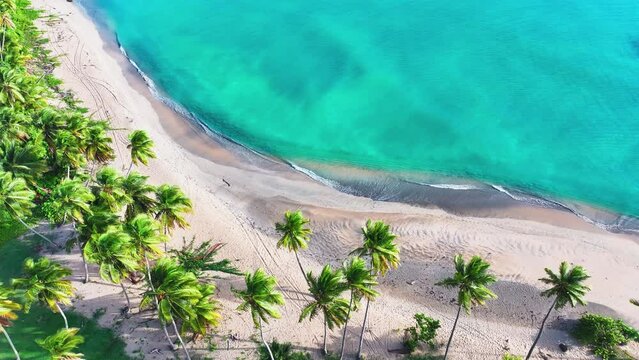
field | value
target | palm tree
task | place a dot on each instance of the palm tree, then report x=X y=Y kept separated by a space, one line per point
x=22 y=160
x=69 y=154
x=206 y=311
x=11 y=87
x=44 y=282
x=261 y=299
x=360 y=281
x=171 y=206
x=380 y=247
x=141 y=147
x=115 y=253
x=62 y=344
x=98 y=221
x=71 y=201
x=6 y=23
x=137 y=189
x=174 y=292
x=145 y=238
x=295 y=234
x=7 y=314
x=13 y=124
x=108 y=190
x=17 y=200
x=326 y=290
x=97 y=144
x=50 y=123
x=471 y=280
x=566 y=287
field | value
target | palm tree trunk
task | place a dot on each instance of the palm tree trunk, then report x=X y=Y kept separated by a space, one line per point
x=325 y=336
x=4 y=32
x=450 y=339
x=300 y=265
x=348 y=316
x=177 y=333
x=270 y=353
x=126 y=295
x=157 y=304
x=10 y=342
x=130 y=167
x=35 y=232
x=543 y=323
x=84 y=262
x=361 y=335
x=166 y=233
x=66 y=323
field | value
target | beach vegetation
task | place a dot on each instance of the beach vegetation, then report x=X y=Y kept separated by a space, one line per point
x=62 y=345
x=294 y=235
x=471 y=279
x=282 y=351
x=423 y=332
x=261 y=300
x=381 y=250
x=566 y=287
x=141 y=148
x=604 y=335
x=201 y=259
x=8 y=309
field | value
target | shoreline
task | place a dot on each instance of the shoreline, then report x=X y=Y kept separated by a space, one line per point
x=243 y=214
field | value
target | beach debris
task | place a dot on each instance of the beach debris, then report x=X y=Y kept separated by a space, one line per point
x=563 y=347
x=226 y=182
x=411 y=282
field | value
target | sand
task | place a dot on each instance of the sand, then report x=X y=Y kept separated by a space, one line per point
x=242 y=216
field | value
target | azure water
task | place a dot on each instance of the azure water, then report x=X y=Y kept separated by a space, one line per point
x=537 y=95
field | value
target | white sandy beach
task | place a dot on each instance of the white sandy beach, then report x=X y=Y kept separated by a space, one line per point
x=242 y=215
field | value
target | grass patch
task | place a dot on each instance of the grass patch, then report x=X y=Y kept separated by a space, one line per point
x=40 y=322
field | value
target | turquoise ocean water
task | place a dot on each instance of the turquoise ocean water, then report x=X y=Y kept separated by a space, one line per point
x=537 y=95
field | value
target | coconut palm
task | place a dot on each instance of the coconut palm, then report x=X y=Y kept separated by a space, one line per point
x=97 y=221
x=382 y=251
x=6 y=23
x=50 y=123
x=141 y=147
x=361 y=282
x=171 y=206
x=8 y=5
x=22 y=160
x=471 y=280
x=116 y=255
x=326 y=290
x=567 y=287
x=140 y=193
x=108 y=190
x=62 y=344
x=70 y=201
x=295 y=234
x=206 y=312
x=11 y=87
x=97 y=144
x=17 y=200
x=174 y=292
x=69 y=154
x=8 y=310
x=146 y=239
x=261 y=299
x=13 y=125
x=44 y=282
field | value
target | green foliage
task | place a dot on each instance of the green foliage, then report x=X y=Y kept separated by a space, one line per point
x=424 y=331
x=115 y=253
x=141 y=147
x=471 y=279
x=171 y=206
x=295 y=235
x=260 y=297
x=326 y=290
x=282 y=351
x=359 y=279
x=508 y=356
x=8 y=307
x=200 y=259
x=604 y=335
x=379 y=244
x=62 y=344
x=44 y=282
x=566 y=286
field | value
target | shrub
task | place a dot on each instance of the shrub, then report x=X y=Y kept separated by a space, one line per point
x=604 y=335
x=282 y=351
x=424 y=332
x=508 y=356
